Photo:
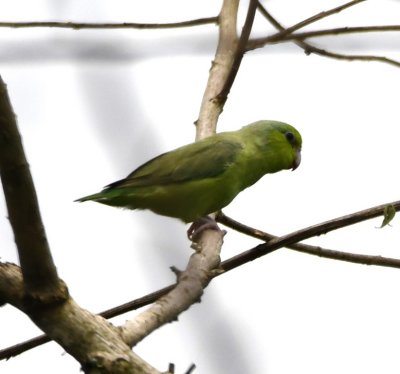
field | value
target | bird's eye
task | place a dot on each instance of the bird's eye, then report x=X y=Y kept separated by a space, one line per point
x=289 y=136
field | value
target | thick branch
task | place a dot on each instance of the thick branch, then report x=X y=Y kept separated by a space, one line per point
x=92 y=340
x=40 y=275
x=17 y=349
x=203 y=263
x=35 y=288
x=188 y=290
x=108 y=26
x=230 y=264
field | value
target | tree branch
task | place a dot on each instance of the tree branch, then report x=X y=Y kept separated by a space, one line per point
x=284 y=37
x=309 y=48
x=124 y=25
x=311 y=249
x=322 y=228
x=202 y=264
x=38 y=269
x=92 y=340
x=188 y=290
x=211 y=108
x=239 y=53
x=35 y=288
x=316 y=17
x=273 y=243
x=287 y=34
x=19 y=348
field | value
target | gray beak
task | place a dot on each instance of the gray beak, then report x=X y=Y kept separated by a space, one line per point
x=297 y=160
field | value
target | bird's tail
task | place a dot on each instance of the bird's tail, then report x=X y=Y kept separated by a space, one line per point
x=95 y=197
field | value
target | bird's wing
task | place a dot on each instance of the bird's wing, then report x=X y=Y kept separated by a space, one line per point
x=204 y=159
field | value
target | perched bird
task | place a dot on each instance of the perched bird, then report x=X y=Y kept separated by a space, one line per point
x=197 y=179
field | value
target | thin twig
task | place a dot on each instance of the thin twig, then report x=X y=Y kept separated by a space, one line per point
x=309 y=48
x=281 y=37
x=312 y=19
x=191 y=369
x=309 y=232
x=240 y=50
x=230 y=264
x=319 y=16
x=124 y=25
x=311 y=249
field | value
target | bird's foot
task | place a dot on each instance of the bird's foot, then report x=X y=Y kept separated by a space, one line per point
x=200 y=225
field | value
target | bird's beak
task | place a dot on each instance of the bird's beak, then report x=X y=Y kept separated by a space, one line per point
x=297 y=160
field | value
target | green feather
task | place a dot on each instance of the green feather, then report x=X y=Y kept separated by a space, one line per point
x=202 y=177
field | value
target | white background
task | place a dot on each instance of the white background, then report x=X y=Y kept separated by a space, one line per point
x=93 y=105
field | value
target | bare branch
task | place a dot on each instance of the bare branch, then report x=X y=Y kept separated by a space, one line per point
x=203 y=263
x=39 y=272
x=341 y=56
x=319 y=16
x=211 y=108
x=188 y=290
x=108 y=26
x=12 y=289
x=283 y=37
x=19 y=348
x=239 y=53
x=309 y=48
x=311 y=249
x=286 y=34
x=273 y=244
x=92 y=340
x=309 y=232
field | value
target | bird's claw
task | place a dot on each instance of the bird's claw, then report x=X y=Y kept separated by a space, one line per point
x=200 y=225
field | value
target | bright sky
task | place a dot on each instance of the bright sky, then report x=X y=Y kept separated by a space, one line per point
x=93 y=105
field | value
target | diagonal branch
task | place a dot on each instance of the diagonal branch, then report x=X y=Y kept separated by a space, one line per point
x=273 y=243
x=322 y=228
x=318 y=16
x=287 y=34
x=211 y=108
x=284 y=37
x=202 y=264
x=38 y=269
x=311 y=249
x=240 y=50
x=309 y=48
x=108 y=26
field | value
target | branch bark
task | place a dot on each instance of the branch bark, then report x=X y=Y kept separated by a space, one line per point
x=35 y=288
x=108 y=26
x=91 y=339
x=202 y=264
x=285 y=37
x=40 y=277
x=211 y=108
x=273 y=243
x=299 y=38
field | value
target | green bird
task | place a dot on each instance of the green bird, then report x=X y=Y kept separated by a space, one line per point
x=197 y=179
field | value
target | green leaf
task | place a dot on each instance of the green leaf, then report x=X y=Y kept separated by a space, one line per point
x=388 y=214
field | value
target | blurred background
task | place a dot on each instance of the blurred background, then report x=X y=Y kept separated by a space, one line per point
x=92 y=105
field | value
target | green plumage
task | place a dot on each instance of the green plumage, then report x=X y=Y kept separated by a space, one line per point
x=203 y=177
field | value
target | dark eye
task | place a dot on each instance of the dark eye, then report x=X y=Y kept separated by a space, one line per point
x=289 y=136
